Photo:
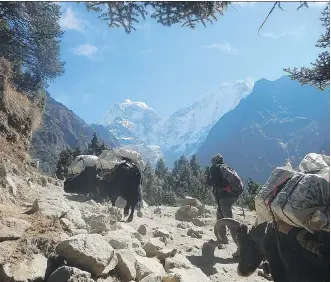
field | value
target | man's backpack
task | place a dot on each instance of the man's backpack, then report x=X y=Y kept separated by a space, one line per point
x=223 y=175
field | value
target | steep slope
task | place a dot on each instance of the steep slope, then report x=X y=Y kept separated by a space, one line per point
x=187 y=128
x=62 y=128
x=279 y=119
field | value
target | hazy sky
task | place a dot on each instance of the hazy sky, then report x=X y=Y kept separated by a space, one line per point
x=171 y=67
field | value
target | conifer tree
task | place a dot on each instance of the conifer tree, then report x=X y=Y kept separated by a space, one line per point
x=319 y=74
x=161 y=169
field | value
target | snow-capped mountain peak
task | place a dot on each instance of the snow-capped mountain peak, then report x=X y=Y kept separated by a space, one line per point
x=129 y=103
x=136 y=124
x=129 y=111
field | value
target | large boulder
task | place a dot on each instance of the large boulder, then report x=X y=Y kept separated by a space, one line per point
x=133 y=232
x=186 y=213
x=142 y=229
x=90 y=252
x=126 y=265
x=97 y=222
x=70 y=274
x=146 y=266
x=26 y=270
x=177 y=261
x=190 y=201
x=119 y=239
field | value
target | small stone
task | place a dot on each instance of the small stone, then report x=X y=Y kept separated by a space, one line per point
x=199 y=222
x=67 y=224
x=161 y=233
x=182 y=225
x=158 y=210
x=194 y=233
x=165 y=253
x=142 y=229
x=190 y=201
x=153 y=246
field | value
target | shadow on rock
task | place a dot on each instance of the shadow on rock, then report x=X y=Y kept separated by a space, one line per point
x=207 y=264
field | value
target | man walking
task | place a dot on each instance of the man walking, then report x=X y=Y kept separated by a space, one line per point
x=227 y=187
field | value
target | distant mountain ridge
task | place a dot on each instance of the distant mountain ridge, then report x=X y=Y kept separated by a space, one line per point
x=61 y=128
x=279 y=119
x=137 y=126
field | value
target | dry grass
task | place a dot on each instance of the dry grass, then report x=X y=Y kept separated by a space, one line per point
x=19 y=117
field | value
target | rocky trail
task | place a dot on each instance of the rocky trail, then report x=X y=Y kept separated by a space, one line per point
x=48 y=235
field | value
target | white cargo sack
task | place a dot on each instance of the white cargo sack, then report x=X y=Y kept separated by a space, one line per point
x=110 y=158
x=80 y=162
x=304 y=199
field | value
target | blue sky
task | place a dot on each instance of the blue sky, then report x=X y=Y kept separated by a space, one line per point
x=171 y=67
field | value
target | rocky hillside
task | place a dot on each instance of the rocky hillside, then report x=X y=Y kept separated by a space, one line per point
x=279 y=119
x=138 y=126
x=62 y=128
x=48 y=235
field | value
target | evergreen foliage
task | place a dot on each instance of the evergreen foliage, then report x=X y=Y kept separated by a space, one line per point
x=30 y=39
x=247 y=198
x=165 y=187
x=319 y=74
x=67 y=156
x=127 y=14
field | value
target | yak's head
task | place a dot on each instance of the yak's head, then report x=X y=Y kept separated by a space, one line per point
x=68 y=185
x=82 y=183
x=249 y=244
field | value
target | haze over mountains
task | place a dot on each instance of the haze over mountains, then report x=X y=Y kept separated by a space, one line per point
x=254 y=125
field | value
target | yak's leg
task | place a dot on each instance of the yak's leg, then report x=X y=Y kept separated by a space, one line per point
x=133 y=206
x=126 y=209
x=113 y=201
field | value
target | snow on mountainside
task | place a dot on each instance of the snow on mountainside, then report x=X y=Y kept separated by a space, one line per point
x=186 y=129
x=133 y=124
x=138 y=127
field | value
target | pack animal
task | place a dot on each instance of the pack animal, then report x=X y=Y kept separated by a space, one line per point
x=288 y=260
x=124 y=181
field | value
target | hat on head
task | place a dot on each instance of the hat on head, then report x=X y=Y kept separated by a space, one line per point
x=217 y=159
